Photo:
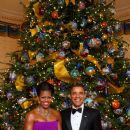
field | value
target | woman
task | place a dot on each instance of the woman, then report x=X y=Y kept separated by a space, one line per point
x=43 y=117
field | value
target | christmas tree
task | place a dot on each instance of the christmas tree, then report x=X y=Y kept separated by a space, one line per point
x=66 y=42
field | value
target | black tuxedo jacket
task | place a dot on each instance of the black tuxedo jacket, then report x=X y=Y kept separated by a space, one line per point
x=91 y=119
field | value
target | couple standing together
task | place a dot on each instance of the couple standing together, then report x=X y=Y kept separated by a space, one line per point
x=78 y=117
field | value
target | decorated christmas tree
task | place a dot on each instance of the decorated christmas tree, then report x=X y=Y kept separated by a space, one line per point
x=66 y=42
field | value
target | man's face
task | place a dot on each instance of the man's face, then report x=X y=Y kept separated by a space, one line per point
x=77 y=96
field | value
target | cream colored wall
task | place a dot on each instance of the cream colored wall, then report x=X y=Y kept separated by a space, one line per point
x=127 y=38
x=7 y=45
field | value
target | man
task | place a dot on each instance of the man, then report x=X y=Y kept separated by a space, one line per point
x=80 y=117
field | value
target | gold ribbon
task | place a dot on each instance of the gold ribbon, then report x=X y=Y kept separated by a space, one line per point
x=70 y=1
x=61 y=72
x=114 y=89
x=36 y=10
x=89 y=58
x=19 y=83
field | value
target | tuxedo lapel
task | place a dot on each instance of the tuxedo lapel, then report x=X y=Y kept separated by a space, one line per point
x=68 y=122
x=84 y=120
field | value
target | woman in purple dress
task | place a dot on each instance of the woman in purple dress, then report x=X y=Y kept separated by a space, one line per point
x=43 y=117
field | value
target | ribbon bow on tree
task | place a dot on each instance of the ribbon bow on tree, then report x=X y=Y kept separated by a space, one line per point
x=70 y=1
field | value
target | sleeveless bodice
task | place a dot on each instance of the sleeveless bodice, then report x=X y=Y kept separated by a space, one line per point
x=53 y=125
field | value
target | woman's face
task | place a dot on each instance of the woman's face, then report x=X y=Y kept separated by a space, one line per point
x=45 y=99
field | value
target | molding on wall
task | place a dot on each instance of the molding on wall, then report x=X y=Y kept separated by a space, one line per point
x=11 y=16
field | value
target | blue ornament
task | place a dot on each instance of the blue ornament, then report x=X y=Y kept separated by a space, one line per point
x=39 y=57
x=25 y=57
x=61 y=55
x=128 y=111
x=30 y=80
x=78 y=66
x=74 y=25
x=12 y=76
x=83 y=22
x=128 y=73
x=42 y=35
x=90 y=71
x=88 y=100
x=34 y=93
x=60 y=2
x=74 y=73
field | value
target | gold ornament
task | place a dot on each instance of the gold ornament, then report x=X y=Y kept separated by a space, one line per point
x=104 y=37
x=110 y=60
x=32 y=54
x=19 y=83
x=33 y=31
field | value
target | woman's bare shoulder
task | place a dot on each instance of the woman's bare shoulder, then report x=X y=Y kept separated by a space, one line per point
x=31 y=114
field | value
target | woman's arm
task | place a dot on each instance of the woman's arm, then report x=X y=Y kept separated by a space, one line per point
x=29 y=120
x=59 y=121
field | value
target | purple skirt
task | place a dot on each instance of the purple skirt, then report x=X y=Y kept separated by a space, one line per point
x=53 y=125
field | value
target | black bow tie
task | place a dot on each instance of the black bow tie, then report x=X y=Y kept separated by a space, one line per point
x=78 y=110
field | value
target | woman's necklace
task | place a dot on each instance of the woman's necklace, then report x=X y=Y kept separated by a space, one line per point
x=44 y=113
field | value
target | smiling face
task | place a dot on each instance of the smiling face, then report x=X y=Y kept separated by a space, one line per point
x=45 y=99
x=77 y=96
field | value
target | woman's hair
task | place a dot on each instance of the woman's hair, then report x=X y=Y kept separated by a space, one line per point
x=45 y=86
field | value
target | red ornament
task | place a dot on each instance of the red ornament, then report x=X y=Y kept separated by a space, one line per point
x=115 y=104
x=81 y=5
x=38 y=40
x=41 y=10
x=104 y=24
x=54 y=14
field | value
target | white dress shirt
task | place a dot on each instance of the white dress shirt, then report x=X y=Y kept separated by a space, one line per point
x=76 y=118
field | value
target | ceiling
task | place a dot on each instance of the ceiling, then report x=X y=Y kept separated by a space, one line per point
x=12 y=11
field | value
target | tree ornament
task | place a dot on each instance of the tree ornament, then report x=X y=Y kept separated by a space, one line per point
x=116 y=104
x=66 y=44
x=9 y=95
x=94 y=42
x=12 y=76
x=81 y=5
x=89 y=19
x=40 y=57
x=54 y=14
x=104 y=37
x=128 y=111
x=30 y=80
x=83 y=22
x=104 y=24
x=128 y=73
x=118 y=111
x=73 y=25
x=41 y=10
x=114 y=76
x=121 y=119
x=25 y=57
x=90 y=71
x=61 y=55
x=60 y=2
x=74 y=73
x=84 y=52
x=24 y=102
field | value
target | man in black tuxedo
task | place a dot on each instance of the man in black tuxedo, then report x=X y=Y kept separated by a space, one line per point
x=80 y=117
